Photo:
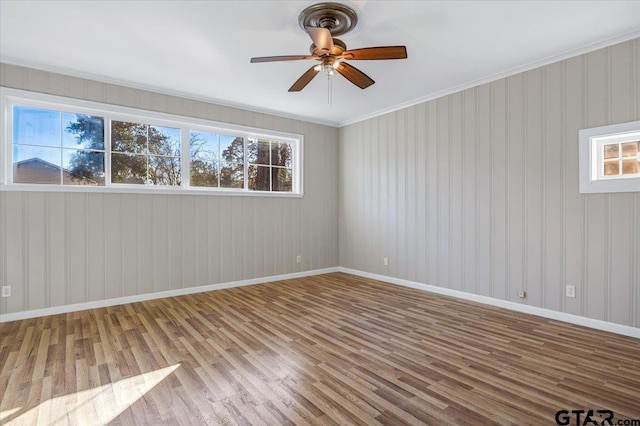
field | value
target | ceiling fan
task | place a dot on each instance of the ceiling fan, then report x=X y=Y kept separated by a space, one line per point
x=322 y=22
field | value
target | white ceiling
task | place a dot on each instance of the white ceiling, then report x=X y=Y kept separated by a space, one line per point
x=202 y=49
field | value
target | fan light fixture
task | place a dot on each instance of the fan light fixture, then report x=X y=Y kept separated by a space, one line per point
x=327 y=68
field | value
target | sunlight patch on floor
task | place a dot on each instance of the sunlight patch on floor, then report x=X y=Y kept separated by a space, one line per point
x=6 y=413
x=97 y=406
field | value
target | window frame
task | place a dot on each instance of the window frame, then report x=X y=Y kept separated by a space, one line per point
x=10 y=97
x=591 y=142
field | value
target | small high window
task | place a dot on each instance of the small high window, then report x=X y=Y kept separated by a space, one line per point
x=610 y=158
x=620 y=159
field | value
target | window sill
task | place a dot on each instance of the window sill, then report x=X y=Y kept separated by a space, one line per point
x=145 y=190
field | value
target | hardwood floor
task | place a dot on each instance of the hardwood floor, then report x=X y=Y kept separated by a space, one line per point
x=330 y=349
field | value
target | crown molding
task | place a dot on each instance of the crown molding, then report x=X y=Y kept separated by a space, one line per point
x=493 y=77
x=154 y=89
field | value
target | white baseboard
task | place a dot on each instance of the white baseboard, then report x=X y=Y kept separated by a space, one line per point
x=160 y=294
x=533 y=310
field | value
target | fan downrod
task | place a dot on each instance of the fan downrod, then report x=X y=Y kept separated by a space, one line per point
x=338 y=18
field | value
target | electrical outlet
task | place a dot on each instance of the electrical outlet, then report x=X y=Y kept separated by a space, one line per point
x=522 y=294
x=298 y=259
x=571 y=291
x=6 y=291
x=385 y=261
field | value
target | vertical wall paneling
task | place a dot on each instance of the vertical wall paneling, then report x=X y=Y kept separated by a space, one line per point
x=113 y=255
x=238 y=227
x=36 y=262
x=421 y=195
x=597 y=206
x=533 y=189
x=16 y=247
x=382 y=201
x=393 y=189
x=189 y=232
x=273 y=234
x=96 y=271
x=378 y=208
x=400 y=211
x=484 y=191
x=56 y=253
x=574 y=217
x=553 y=185
x=498 y=184
x=226 y=241
x=60 y=248
x=455 y=185
x=443 y=190
x=367 y=210
x=174 y=245
x=77 y=246
x=161 y=258
x=146 y=243
x=498 y=200
x=411 y=222
x=251 y=237
x=432 y=193
x=469 y=196
x=201 y=225
x=288 y=232
x=516 y=175
x=131 y=244
x=213 y=240
x=621 y=208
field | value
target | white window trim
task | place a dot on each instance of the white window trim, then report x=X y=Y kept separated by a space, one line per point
x=590 y=143
x=114 y=112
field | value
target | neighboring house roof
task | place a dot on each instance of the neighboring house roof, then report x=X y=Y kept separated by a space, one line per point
x=38 y=160
x=35 y=162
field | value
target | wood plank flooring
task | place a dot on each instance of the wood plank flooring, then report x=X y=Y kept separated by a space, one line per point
x=332 y=349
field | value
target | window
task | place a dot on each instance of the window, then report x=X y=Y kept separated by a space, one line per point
x=145 y=154
x=610 y=158
x=217 y=161
x=619 y=159
x=54 y=147
x=269 y=165
x=54 y=143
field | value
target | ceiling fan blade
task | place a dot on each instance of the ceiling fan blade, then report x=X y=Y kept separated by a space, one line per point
x=375 y=53
x=354 y=75
x=321 y=38
x=304 y=79
x=281 y=58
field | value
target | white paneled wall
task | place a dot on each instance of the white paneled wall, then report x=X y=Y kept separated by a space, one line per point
x=478 y=191
x=64 y=248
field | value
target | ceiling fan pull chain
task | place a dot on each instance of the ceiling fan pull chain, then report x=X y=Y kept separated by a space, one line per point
x=329 y=91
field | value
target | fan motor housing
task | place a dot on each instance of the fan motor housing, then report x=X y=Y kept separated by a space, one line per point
x=339 y=46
